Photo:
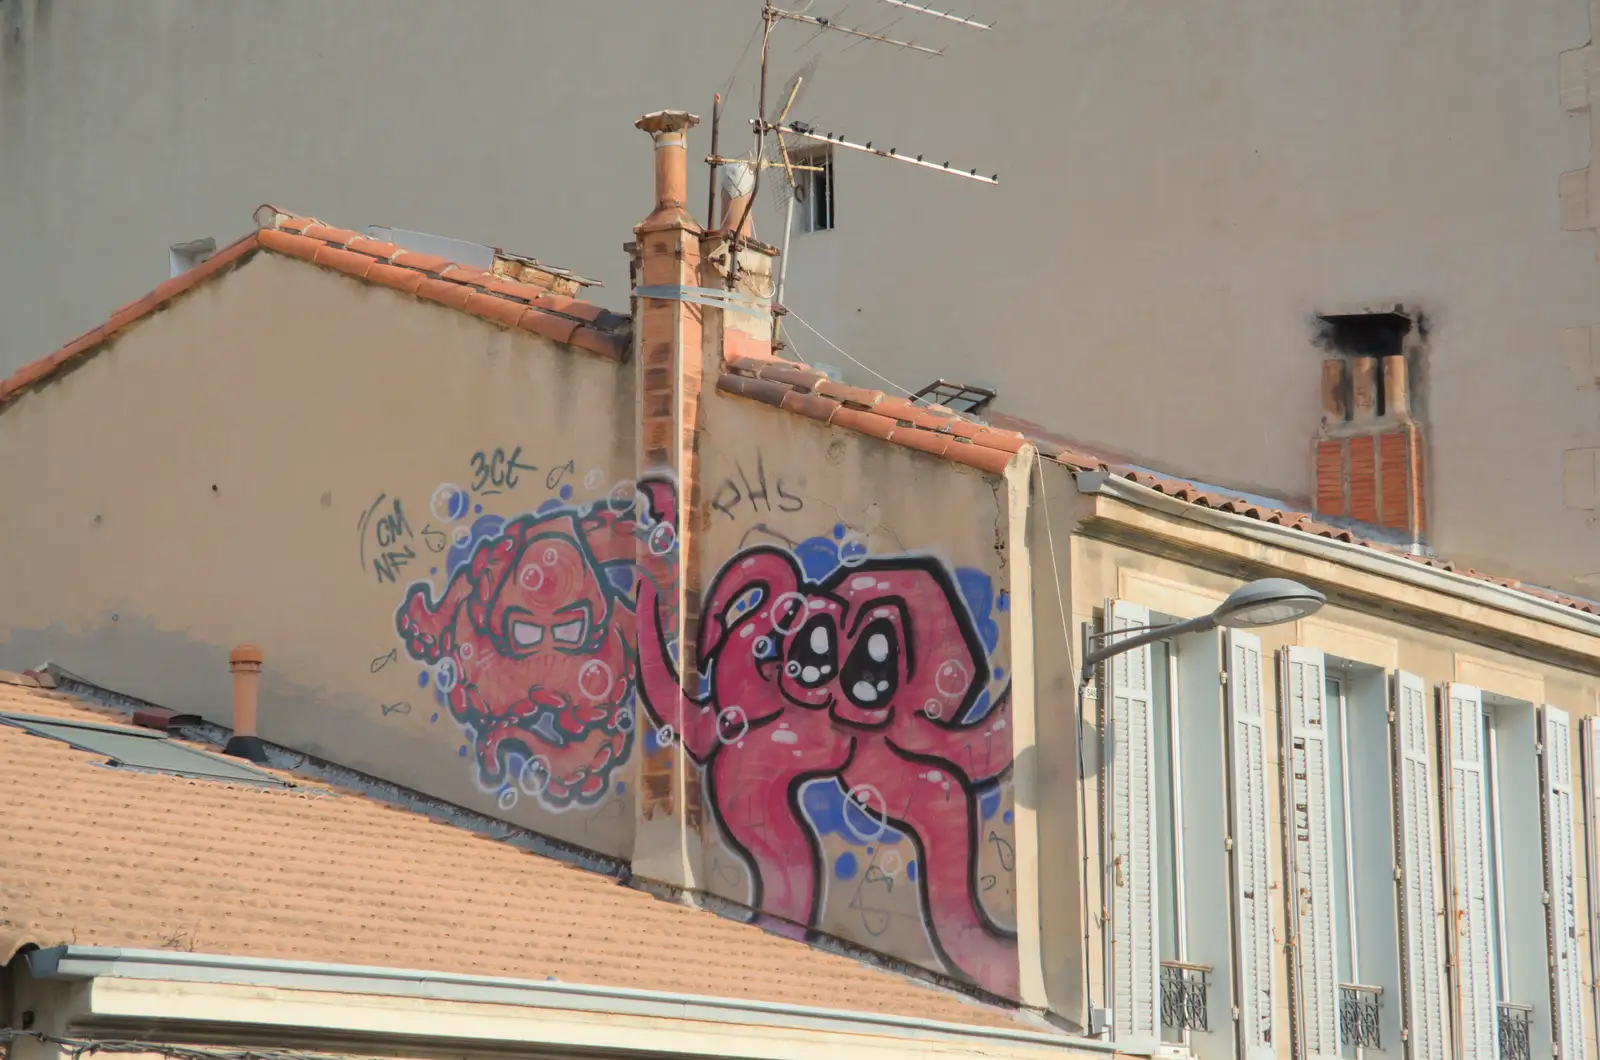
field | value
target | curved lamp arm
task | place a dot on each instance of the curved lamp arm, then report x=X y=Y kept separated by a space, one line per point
x=1096 y=656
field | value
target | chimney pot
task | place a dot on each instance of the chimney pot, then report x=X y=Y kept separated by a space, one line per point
x=244 y=662
x=1335 y=403
x=1396 y=397
x=1363 y=389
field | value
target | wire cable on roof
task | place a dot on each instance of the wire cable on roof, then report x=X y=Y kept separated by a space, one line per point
x=853 y=360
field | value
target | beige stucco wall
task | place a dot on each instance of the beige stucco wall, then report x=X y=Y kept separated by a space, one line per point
x=1160 y=574
x=1183 y=188
x=913 y=549
x=238 y=467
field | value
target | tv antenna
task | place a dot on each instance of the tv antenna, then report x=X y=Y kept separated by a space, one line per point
x=764 y=126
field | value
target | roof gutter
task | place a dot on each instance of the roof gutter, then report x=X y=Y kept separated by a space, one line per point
x=244 y=993
x=1371 y=561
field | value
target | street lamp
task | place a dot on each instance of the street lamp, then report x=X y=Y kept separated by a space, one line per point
x=1268 y=602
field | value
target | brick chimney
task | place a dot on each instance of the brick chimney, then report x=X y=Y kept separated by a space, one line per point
x=670 y=362
x=1369 y=448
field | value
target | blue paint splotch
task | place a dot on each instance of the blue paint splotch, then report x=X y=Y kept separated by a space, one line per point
x=818 y=557
x=911 y=871
x=831 y=812
x=485 y=526
x=566 y=493
x=422 y=679
x=846 y=867
x=989 y=802
x=456 y=506
x=977 y=589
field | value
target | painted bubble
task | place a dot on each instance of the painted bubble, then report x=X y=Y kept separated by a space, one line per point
x=951 y=678
x=595 y=679
x=449 y=503
x=732 y=724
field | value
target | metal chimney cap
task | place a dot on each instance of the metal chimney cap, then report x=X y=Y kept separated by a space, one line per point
x=666 y=121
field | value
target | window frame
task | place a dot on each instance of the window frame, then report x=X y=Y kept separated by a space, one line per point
x=812 y=212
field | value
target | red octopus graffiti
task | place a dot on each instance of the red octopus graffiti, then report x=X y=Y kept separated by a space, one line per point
x=535 y=645
x=867 y=676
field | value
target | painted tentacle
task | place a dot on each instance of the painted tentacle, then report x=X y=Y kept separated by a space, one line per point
x=759 y=814
x=935 y=803
x=427 y=628
x=981 y=748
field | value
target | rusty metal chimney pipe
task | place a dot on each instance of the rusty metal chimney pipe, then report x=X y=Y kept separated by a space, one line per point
x=670 y=130
x=244 y=662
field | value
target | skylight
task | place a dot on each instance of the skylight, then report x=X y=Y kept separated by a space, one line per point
x=136 y=749
x=958 y=397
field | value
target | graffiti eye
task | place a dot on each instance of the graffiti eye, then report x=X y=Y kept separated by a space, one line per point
x=764 y=648
x=568 y=632
x=526 y=634
x=814 y=654
x=872 y=672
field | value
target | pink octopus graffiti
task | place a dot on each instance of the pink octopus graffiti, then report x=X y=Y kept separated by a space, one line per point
x=536 y=642
x=867 y=676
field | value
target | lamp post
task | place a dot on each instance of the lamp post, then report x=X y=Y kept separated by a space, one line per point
x=1266 y=602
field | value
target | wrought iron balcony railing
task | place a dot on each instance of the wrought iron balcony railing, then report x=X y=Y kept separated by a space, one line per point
x=1184 y=989
x=1515 y=1023
x=1359 y=1008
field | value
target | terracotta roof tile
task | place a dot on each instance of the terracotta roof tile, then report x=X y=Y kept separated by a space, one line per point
x=310 y=873
x=804 y=390
x=508 y=303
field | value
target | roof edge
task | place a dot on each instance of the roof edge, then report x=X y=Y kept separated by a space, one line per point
x=70 y=962
x=511 y=304
x=798 y=388
x=1348 y=553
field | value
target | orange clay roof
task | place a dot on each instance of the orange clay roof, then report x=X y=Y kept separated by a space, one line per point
x=801 y=389
x=509 y=303
x=99 y=856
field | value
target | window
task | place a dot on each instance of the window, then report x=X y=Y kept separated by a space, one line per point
x=1360 y=823
x=814 y=189
x=1340 y=851
x=1502 y=871
x=1168 y=844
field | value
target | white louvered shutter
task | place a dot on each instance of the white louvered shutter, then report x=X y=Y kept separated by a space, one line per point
x=1561 y=883
x=1469 y=848
x=1422 y=913
x=1252 y=879
x=1311 y=837
x=1131 y=872
x=1591 y=784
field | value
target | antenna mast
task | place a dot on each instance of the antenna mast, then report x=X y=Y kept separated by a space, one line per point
x=771 y=15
